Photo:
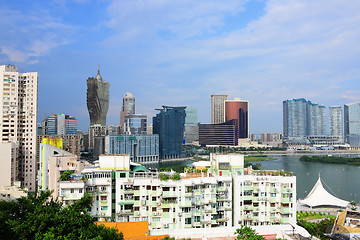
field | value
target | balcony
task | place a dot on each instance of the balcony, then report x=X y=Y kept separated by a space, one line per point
x=103 y=203
x=188 y=194
x=248 y=207
x=285 y=200
x=125 y=212
x=284 y=210
x=223 y=219
x=284 y=220
x=248 y=197
x=187 y=226
x=246 y=188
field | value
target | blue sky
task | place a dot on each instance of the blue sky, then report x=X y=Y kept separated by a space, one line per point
x=169 y=52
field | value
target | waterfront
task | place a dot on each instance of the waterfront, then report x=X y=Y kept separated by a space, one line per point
x=344 y=180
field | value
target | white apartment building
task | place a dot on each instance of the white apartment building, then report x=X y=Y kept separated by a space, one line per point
x=18 y=118
x=225 y=196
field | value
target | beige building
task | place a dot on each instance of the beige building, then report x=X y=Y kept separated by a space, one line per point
x=9 y=168
x=218 y=108
x=53 y=162
x=18 y=118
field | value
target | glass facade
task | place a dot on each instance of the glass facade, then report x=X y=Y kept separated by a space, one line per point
x=54 y=126
x=191 y=116
x=352 y=123
x=335 y=121
x=303 y=118
x=239 y=110
x=135 y=124
x=169 y=124
x=141 y=148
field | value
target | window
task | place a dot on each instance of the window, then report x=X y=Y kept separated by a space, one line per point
x=72 y=191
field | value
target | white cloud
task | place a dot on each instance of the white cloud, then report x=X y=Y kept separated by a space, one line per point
x=29 y=34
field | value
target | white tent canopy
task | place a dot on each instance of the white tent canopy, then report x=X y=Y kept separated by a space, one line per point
x=320 y=197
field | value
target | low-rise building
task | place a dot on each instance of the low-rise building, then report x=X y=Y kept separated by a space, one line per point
x=142 y=148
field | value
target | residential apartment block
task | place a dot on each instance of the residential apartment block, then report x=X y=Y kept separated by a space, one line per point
x=18 y=122
x=224 y=195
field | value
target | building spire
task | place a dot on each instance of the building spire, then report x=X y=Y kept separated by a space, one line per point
x=98 y=76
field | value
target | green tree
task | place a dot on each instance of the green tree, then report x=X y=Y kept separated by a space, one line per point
x=247 y=233
x=66 y=175
x=39 y=216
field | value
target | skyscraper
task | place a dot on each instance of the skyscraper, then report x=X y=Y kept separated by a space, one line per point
x=191 y=125
x=218 y=108
x=128 y=108
x=97 y=99
x=335 y=121
x=135 y=124
x=294 y=117
x=352 y=124
x=316 y=116
x=18 y=118
x=238 y=109
x=169 y=124
x=303 y=118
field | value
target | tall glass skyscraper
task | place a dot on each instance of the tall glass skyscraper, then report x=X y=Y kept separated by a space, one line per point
x=352 y=124
x=294 y=117
x=303 y=118
x=169 y=124
x=191 y=125
x=335 y=121
x=315 y=119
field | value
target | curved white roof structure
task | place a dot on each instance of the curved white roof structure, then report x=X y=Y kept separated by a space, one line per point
x=320 y=197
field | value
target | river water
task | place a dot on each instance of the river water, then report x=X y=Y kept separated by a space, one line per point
x=341 y=180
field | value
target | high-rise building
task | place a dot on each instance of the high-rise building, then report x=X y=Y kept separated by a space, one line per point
x=316 y=125
x=238 y=109
x=294 y=117
x=59 y=125
x=127 y=108
x=169 y=124
x=97 y=99
x=335 y=121
x=303 y=118
x=352 y=124
x=191 y=125
x=135 y=124
x=218 y=108
x=18 y=121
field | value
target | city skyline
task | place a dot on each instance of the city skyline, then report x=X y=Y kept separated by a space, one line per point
x=182 y=53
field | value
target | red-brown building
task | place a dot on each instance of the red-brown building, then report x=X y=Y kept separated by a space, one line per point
x=238 y=109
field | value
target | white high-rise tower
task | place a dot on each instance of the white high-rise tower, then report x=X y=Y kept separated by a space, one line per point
x=335 y=121
x=18 y=118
